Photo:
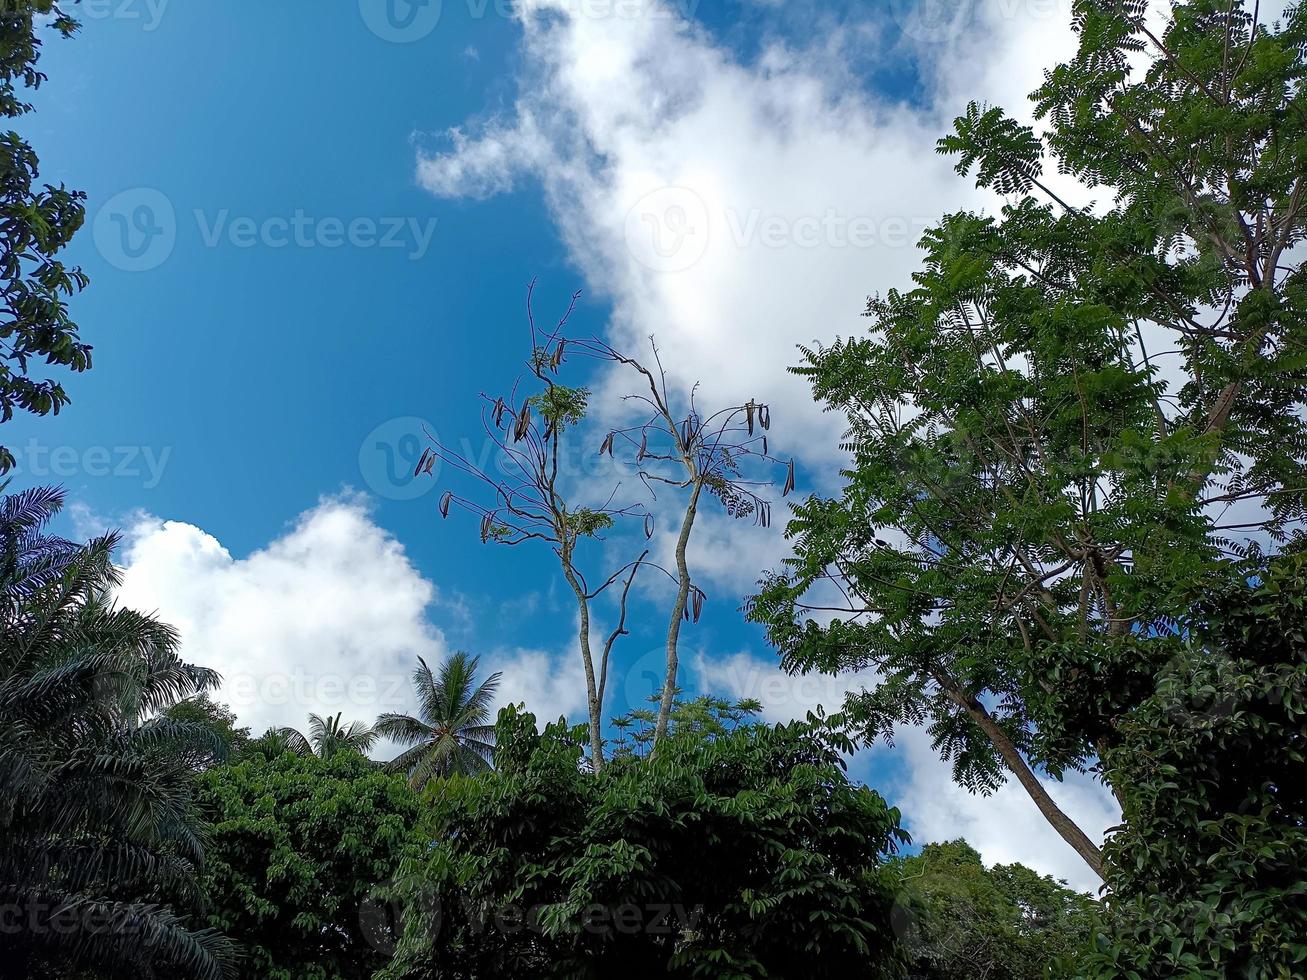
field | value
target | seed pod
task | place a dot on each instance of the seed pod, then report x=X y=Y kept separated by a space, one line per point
x=486 y=523
x=696 y=601
x=445 y=500
x=764 y=415
x=607 y=445
x=644 y=447
x=499 y=413
x=789 y=480
x=648 y=526
x=748 y=414
x=557 y=359
x=764 y=445
x=523 y=422
x=421 y=461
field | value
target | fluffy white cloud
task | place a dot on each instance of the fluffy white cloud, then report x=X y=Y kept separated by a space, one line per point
x=1005 y=827
x=329 y=617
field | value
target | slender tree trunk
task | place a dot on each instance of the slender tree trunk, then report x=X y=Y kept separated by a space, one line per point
x=678 y=613
x=594 y=708
x=1059 y=821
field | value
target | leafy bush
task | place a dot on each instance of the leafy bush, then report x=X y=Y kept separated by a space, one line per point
x=747 y=855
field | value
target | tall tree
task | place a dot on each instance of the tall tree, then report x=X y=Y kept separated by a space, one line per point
x=100 y=842
x=665 y=442
x=36 y=224
x=452 y=733
x=531 y=498
x=327 y=736
x=1079 y=411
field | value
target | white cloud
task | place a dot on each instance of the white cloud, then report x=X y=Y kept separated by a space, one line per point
x=1005 y=827
x=331 y=616
x=784 y=697
x=551 y=685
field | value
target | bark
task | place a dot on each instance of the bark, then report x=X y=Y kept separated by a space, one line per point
x=678 y=614
x=1060 y=822
x=593 y=707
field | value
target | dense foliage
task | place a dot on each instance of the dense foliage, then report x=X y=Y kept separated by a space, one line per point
x=36 y=223
x=961 y=919
x=1207 y=873
x=749 y=855
x=300 y=845
x=99 y=839
x=1079 y=411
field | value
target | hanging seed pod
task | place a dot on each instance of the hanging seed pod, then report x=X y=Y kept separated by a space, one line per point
x=764 y=416
x=687 y=429
x=648 y=526
x=748 y=414
x=500 y=407
x=764 y=445
x=606 y=447
x=486 y=524
x=417 y=471
x=789 y=480
x=644 y=447
x=523 y=422
x=446 y=499
x=696 y=601
x=557 y=359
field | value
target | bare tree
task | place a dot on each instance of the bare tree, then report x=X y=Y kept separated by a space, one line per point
x=670 y=444
x=693 y=451
x=530 y=503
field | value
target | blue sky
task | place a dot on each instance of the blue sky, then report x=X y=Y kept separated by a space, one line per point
x=311 y=229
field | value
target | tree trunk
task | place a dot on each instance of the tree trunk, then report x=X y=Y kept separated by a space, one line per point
x=593 y=707
x=678 y=613
x=1060 y=822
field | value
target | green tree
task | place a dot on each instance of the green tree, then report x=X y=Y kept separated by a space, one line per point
x=1206 y=875
x=327 y=736
x=100 y=842
x=299 y=847
x=1078 y=412
x=961 y=919
x=747 y=855
x=36 y=224
x=698 y=719
x=218 y=719
x=452 y=733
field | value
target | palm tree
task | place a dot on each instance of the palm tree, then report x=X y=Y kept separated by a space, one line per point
x=452 y=733
x=327 y=737
x=97 y=823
